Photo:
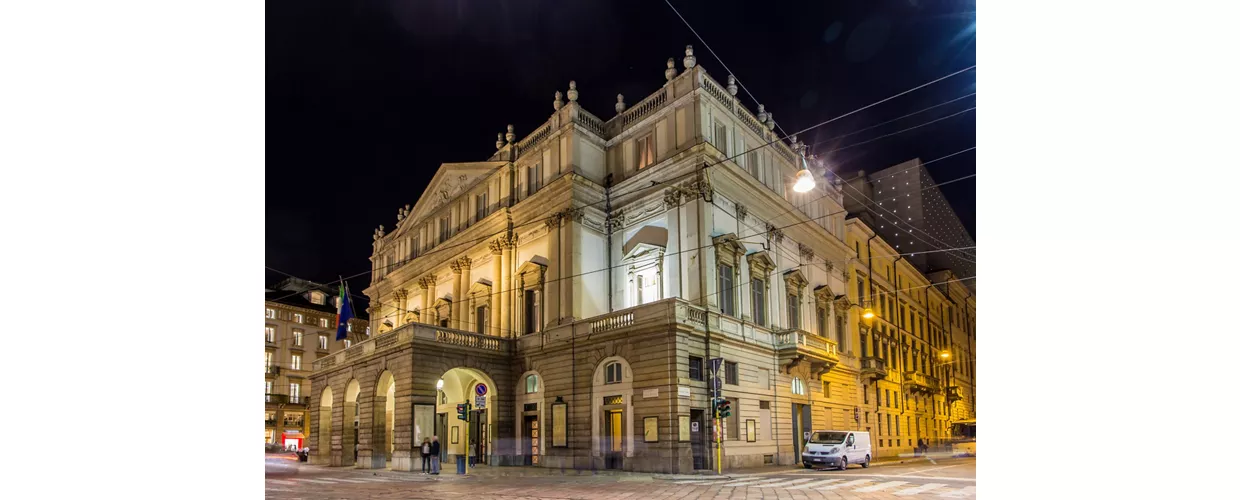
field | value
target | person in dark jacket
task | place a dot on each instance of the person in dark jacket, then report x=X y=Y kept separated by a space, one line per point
x=434 y=454
x=426 y=455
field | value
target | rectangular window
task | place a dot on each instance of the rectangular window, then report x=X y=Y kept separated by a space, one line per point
x=822 y=321
x=298 y=317
x=758 y=294
x=271 y=313
x=731 y=373
x=269 y=334
x=751 y=164
x=294 y=391
x=268 y=389
x=887 y=397
x=865 y=393
x=348 y=343
x=480 y=206
x=296 y=362
x=532 y=316
x=726 y=295
x=695 y=368
x=645 y=152
x=794 y=312
x=443 y=229
x=533 y=179
x=826 y=389
x=297 y=334
x=323 y=342
x=267 y=360
x=721 y=137
x=480 y=320
x=734 y=420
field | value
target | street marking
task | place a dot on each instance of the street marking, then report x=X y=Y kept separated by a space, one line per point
x=376 y=478
x=733 y=484
x=814 y=485
x=880 y=486
x=967 y=491
x=935 y=478
x=920 y=489
x=320 y=481
x=845 y=485
x=930 y=469
x=278 y=481
x=785 y=483
x=347 y=480
x=279 y=489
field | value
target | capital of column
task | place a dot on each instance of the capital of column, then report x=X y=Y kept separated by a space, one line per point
x=456 y=266
x=554 y=220
x=496 y=246
x=402 y=294
x=465 y=262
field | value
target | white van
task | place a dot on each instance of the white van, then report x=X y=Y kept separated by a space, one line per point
x=837 y=449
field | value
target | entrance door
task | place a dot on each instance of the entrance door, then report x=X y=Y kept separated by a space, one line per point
x=441 y=430
x=478 y=437
x=800 y=425
x=614 y=443
x=697 y=438
x=531 y=440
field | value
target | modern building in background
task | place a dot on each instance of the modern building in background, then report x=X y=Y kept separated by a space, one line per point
x=560 y=303
x=299 y=327
x=904 y=205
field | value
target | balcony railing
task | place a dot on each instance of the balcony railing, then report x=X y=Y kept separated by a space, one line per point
x=873 y=367
x=921 y=381
x=415 y=333
x=807 y=342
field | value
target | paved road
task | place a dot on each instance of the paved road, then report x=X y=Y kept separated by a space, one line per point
x=943 y=479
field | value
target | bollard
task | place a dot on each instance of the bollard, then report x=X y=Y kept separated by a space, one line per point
x=460 y=464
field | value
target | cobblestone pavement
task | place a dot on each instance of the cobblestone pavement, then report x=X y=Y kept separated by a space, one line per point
x=944 y=479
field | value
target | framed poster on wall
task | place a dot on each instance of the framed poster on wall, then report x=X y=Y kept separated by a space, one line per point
x=456 y=435
x=684 y=428
x=651 y=429
x=751 y=430
x=559 y=427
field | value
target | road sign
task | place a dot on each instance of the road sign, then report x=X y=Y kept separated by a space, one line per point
x=716 y=380
x=480 y=402
x=857 y=413
x=480 y=389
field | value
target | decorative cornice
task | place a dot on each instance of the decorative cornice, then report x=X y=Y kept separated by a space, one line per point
x=554 y=220
x=774 y=234
x=671 y=197
x=843 y=304
x=741 y=212
x=615 y=221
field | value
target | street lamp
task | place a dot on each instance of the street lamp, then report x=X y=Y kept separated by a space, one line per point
x=868 y=313
x=439 y=385
x=805 y=179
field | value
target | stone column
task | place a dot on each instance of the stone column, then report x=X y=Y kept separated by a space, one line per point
x=496 y=286
x=402 y=306
x=552 y=285
x=506 y=292
x=378 y=433
x=464 y=315
x=454 y=315
x=569 y=227
x=428 y=289
x=670 y=276
x=350 y=412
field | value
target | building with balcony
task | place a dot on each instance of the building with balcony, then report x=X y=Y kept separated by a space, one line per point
x=299 y=327
x=574 y=287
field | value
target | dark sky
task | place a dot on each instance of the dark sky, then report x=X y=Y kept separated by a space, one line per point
x=366 y=98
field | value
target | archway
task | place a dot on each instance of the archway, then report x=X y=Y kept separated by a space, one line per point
x=611 y=421
x=350 y=430
x=382 y=420
x=460 y=386
x=322 y=453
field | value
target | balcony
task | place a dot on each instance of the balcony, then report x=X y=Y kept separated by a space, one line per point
x=920 y=382
x=418 y=334
x=286 y=399
x=873 y=368
x=953 y=394
x=799 y=346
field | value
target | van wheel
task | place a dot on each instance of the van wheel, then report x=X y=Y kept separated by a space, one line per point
x=866 y=463
x=843 y=463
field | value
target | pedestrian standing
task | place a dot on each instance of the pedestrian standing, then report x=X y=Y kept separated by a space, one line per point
x=426 y=455
x=435 y=455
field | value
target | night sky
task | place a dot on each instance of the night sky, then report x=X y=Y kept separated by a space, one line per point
x=366 y=98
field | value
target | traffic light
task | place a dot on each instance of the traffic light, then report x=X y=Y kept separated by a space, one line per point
x=462 y=411
x=723 y=408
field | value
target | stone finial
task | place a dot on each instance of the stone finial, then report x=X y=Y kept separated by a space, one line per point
x=619 y=103
x=770 y=121
x=732 y=85
x=572 y=91
x=499 y=140
x=559 y=101
x=690 y=61
x=510 y=136
x=795 y=145
x=761 y=113
x=670 y=72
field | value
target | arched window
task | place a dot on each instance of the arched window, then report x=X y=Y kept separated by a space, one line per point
x=613 y=373
x=798 y=387
x=531 y=384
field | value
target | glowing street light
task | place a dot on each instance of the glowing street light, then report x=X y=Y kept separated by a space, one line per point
x=868 y=313
x=945 y=354
x=805 y=179
x=439 y=385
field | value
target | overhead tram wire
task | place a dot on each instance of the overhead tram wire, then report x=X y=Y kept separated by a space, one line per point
x=673 y=179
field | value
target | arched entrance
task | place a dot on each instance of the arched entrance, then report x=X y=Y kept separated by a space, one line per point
x=612 y=415
x=530 y=423
x=322 y=453
x=382 y=420
x=350 y=432
x=461 y=386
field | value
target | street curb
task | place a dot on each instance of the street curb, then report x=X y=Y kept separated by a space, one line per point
x=689 y=477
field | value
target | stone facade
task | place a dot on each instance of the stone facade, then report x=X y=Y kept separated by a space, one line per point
x=585 y=274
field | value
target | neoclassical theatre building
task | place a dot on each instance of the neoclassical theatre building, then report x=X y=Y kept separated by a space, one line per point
x=573 y=287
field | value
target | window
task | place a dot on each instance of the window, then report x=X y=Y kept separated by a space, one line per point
x=734 y=420
x=695 y=368
x=368 y=331
x=645 y=152
x=826 y=389
x=415 y=248
x=298 y=317
x=348 y=343
x=758 y=293
x=865 y=393
x=613 y=373
x=822 y=321
x=731 y=373
x=480 y=320
x=794 y=312
x=721 y=137
x=268 y=390
x=860 y=289
x=727 y=298
x=531 y=384
x=269 y=334
x=533 y=323
x=798 y=387
x=323 y=342
x=533 y=179
x=323 y=322
x=296 y=362
x=481 y=205
x=297 y=338
x=443 y=229
x=267 y=361
x=294 y=391
x=271 y=313
x=887 y=397
x=349 y=328
x=751 y=163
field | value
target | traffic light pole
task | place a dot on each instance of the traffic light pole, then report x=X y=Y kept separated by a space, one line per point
x=718 y=433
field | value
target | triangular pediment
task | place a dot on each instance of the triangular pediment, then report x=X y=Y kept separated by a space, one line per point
x=450 y=182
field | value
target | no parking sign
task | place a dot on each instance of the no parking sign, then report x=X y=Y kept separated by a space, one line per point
x=480 y=389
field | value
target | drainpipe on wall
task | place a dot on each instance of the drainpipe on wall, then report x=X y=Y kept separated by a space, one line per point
x=607 y=227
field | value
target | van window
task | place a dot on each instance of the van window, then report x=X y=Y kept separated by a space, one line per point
x=828 y=437
x=851 y=439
